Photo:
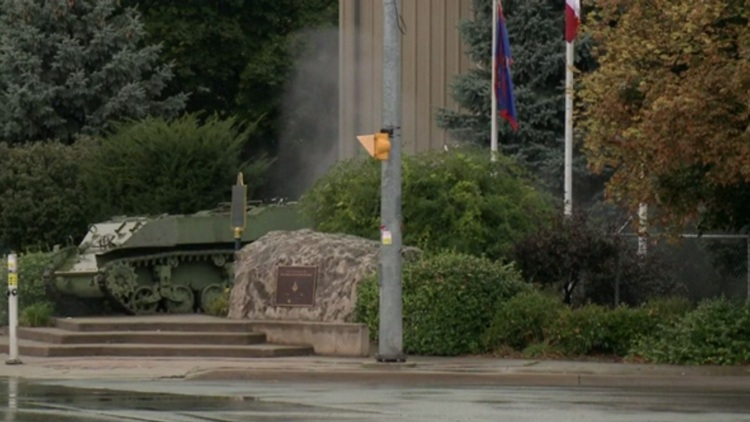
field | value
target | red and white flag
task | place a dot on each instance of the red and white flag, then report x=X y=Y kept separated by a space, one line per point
x=572 y=18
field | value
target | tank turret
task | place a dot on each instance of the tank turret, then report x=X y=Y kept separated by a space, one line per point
x=170 y=263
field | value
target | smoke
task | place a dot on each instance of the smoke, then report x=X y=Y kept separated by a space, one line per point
x=308 y=142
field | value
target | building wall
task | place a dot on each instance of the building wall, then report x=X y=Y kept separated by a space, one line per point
x=432 y=53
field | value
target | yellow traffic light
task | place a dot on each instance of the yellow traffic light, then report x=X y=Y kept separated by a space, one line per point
x=382 y=147
x=377 y=145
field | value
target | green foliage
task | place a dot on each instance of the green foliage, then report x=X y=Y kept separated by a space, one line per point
x=594 y=329
x=538 y=324
x=43 y=198
x=73 y=67
x=367 y=306
x=219 y=306
x=448 y=302
x=523 y=320
x=31 y=289
x=456 y=200
x=234 y=56
x=624 y=326
x=579 y=331
x=564 y=252
x=669 y=309
x=716 y=332
x=177 y=166
x=36 y=315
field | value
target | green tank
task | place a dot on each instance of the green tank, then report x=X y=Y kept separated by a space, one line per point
x=168 y=263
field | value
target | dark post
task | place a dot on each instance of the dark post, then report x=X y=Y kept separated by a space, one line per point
x=239 y=210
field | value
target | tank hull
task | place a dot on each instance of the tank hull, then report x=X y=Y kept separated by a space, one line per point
x=168 y=263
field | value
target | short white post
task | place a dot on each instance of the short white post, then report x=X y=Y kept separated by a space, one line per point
x=13 y=310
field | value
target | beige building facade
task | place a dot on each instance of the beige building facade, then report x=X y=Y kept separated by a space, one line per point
x=432 y=54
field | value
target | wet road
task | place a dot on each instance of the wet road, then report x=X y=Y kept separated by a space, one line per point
x=192 y=401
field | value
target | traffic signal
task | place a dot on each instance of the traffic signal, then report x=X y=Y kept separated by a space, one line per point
x=382 y=146
x=377 y=145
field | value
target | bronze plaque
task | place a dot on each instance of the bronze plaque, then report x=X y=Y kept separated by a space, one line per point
x=295 y=286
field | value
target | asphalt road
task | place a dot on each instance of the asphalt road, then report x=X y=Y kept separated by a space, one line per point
x=179 y=400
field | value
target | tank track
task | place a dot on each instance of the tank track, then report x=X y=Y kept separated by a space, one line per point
x=118 y=282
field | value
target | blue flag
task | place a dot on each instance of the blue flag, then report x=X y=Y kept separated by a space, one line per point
x=506 y=103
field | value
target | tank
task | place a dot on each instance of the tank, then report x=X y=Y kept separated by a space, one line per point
x=166 y=263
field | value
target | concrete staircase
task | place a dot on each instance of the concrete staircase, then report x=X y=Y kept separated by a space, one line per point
x=143 y=336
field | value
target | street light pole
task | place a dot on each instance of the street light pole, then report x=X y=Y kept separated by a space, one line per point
x=390 y=347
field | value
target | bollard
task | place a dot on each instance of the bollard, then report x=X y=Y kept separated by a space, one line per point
x=13 y=310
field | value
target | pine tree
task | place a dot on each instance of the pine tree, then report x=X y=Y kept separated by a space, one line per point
x=75 y=66
x=535 y=30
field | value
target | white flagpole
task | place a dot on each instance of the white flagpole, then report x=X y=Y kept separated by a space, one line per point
x=642 y=224
x=569 y=128
x=493 y=138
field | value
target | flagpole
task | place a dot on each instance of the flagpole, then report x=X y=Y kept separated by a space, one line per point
x=572 y=20
x=569 y=128
x=493 y=137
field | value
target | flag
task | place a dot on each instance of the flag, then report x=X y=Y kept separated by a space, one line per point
x=572 y=18
x=503 y=81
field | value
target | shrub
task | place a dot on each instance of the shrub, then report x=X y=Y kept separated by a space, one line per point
x=178 y=166
x=37 y=315
x=716 y=332
x=523 y=320
x=582 y=259
x=448 y=302
x=43 y=200
x=220 y=305
x=457 y=200
x=579 y=331
x=624 y=326
x=31 y=289
x=668 y=309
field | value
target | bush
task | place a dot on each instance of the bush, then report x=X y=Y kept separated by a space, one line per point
x=582 y=259
x=175 y=167
x=37 y=315
x=448 y=302
x=43 y=199
x=624 y=327
x=579 y=331
x=668 y=310
x=716 y=332
x=457 y=200
x=220 y=305
x=522 y=321
x=31 y=289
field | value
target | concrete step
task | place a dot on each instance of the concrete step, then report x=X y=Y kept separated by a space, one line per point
x=178 y=322
x=59 y=336
x=38 y=349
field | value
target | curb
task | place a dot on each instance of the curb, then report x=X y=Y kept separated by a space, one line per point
x=543 y=379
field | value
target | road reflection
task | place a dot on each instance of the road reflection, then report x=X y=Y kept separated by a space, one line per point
x=32 y=402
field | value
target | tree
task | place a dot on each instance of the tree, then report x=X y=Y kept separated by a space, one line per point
x=536 y=30
x=667 y=109
x=457 y=200
x=235 y=56
x=73 y=67
x=43 y=197
x=177 y=166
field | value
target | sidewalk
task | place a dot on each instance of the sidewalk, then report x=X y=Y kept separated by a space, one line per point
x=417 y=370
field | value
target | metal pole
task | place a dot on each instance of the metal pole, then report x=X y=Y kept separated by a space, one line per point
x=13 y=309
x=569 y=63
x=390 y=348
x=493 y=96
x=642 y=224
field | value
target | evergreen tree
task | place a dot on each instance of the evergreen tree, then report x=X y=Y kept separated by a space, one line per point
x=535 y=30
x=74 y=66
